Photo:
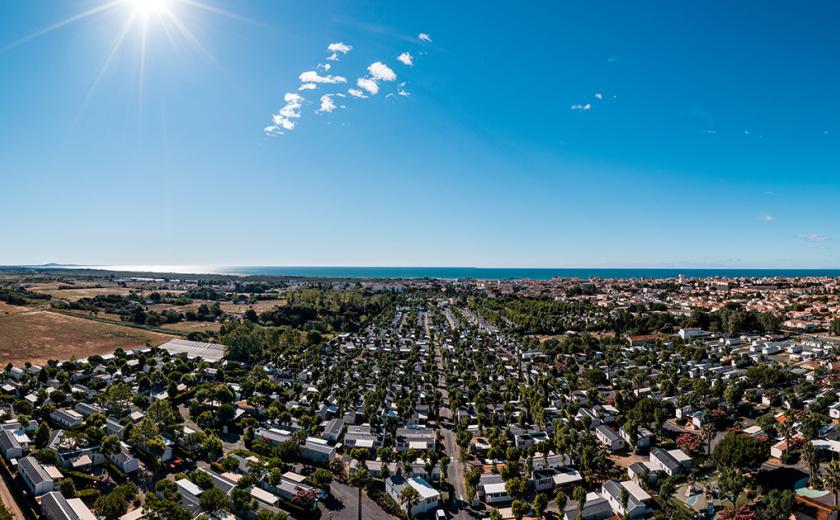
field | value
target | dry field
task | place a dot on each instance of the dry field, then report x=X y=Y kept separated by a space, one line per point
x=77 y=293
x=40 y=335
x=193 y=326
x=260 y=306
x=232 y=308
x=6 y=309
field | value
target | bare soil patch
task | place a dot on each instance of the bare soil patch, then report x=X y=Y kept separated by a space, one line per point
x=39 y=336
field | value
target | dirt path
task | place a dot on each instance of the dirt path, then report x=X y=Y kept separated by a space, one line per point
x=10 y=502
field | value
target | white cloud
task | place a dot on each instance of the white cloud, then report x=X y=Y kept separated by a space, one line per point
x=406 y=59
x=285 y=118
x=356 y=93
x=813 y=237
x=337 y=47
x=310 y=76
x=401 y=90
x=598 y=95
x=380 y=71
x=327 y=104
x=766 y=217
x=368 y=84
x=341 y=47
x=308 y=86
x=425 y=37
x=578 y=106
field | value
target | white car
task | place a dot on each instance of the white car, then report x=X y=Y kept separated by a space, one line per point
x=440 y=514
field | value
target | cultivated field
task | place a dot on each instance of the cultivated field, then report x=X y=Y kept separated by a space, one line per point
x=40 y=335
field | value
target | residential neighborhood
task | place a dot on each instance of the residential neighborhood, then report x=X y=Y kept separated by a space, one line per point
x=446 y=400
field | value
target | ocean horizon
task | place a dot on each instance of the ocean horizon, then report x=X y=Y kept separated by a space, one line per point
x=453 y=273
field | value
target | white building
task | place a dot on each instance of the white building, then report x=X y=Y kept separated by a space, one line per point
x=609 y=438
x=428 y=497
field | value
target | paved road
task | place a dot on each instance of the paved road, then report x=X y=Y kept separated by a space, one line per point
x=345 y=500
x=455 y=469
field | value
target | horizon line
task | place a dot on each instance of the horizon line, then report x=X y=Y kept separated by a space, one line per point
x=371 y=266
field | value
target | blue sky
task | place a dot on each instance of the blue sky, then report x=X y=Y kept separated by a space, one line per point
x=712 y=140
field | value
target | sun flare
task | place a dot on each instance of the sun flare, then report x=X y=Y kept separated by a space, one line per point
x=143 y=20
x=149 y=8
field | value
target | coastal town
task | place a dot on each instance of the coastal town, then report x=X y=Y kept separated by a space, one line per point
x=334 y=398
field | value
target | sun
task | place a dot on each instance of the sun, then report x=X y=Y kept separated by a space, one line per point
x=148 y=8
x=141 y=19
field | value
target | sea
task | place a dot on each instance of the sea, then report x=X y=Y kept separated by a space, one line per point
x=478 y=273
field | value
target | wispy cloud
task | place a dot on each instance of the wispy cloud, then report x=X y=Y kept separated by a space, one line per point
x=766 y=217
x=285 y=118
x=406 y=59
x=308 y=86
x=813 y=237
x=579 y=106
x=402 y=91
x=310 y=76
x=599 y=96
x=425 y=37
x=356 y=93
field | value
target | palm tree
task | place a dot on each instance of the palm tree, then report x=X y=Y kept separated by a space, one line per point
x=666 y=491
x=831 y=479
x=811 y=459
x=579 y=494
x=786 y=429
x=409 y=497
x=708 y=433
x=359 y=479
x=561 y=500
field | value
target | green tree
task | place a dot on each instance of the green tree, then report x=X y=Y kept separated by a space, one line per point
x=579 y=494
x=740 y=451
x=5 y=514
x=110 y=445
x=42 y=435
x=811 y=459
x=540 y=504
x=519 y=509
x=516 y=487
x=831 y=479
x=666 y=491
x=213 y=500
x=561 y=499
x=111 y=506
x=409 y=497
x=68 y=487
x=731 y=482
x=241 y=501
